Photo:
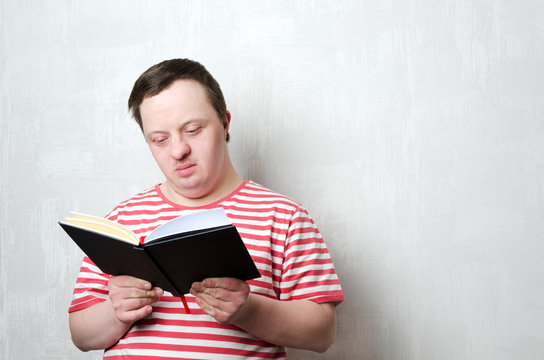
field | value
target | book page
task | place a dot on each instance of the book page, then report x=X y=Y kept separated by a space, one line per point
x=196 y=221
x=102 y=226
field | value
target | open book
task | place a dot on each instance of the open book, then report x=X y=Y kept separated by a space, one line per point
x=179 y=252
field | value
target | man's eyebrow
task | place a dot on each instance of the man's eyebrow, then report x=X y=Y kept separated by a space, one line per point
x=181 y=126
x=155 y=132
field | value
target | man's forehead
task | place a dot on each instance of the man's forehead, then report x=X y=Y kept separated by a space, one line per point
x=182 y=101
x=182 y=90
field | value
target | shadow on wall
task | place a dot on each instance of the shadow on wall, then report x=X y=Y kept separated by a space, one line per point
x=258 y=144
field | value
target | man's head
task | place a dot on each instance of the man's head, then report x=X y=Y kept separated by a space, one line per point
x=162 y=75
x=181 y=111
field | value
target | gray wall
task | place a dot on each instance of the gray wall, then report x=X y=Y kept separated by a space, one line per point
x=411 y=130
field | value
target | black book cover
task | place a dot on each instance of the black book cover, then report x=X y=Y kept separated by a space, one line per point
x=174 y=262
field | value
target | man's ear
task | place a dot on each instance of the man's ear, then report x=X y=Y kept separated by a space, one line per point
x=226 y=123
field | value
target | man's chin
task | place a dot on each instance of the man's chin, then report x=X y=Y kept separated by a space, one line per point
x=188 y=190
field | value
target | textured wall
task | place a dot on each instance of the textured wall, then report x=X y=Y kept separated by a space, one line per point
x=411 y=130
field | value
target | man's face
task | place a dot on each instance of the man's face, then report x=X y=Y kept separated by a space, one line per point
x=186 y=138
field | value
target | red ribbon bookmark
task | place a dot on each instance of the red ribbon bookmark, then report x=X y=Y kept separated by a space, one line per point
x=187 y=310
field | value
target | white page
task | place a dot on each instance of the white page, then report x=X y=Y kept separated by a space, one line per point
x=199 y=220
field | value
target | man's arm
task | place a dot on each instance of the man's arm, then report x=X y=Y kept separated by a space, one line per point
x=102 y=325
x=298 y=324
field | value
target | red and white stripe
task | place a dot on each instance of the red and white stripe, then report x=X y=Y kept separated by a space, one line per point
x=283 y=241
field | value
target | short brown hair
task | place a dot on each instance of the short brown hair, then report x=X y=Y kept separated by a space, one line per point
x=160 y=76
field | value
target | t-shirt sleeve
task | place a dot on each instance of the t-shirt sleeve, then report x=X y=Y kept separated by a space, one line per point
x=91 y=286
x=308 y=272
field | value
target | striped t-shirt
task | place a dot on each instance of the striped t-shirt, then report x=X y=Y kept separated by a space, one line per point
x=284 y=243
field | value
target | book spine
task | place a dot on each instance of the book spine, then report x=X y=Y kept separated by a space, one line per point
x=166 y=277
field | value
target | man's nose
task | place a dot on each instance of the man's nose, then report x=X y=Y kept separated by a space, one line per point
x=179 y=148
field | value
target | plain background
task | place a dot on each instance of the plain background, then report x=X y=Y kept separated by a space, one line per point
x=411 y=130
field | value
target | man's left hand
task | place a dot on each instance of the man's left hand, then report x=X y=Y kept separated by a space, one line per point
x=226 y=299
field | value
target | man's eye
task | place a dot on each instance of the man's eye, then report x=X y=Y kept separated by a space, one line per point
x=192 y=130
x=159 y=140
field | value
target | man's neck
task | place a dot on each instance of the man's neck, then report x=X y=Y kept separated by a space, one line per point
x=228 y=184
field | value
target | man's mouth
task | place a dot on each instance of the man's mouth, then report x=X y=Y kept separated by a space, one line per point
x=185 y=169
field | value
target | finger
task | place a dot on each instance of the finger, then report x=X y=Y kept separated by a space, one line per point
x=196 y=286
x=206 y=306
x=224 y=282
x=129 y=281
x=210 y=299
x=219 y=308
x=135 y=303
x=153 y=293
x=134 y=306
x=158 y=292
x=122 y=293
x=138 y=293
x=217 y=313
x=134 y=315
x=217 y=293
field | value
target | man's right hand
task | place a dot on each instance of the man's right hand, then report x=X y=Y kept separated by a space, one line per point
x=103 y=324
x=132 y=298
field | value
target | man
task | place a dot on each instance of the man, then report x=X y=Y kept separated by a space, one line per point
x=182 y=113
